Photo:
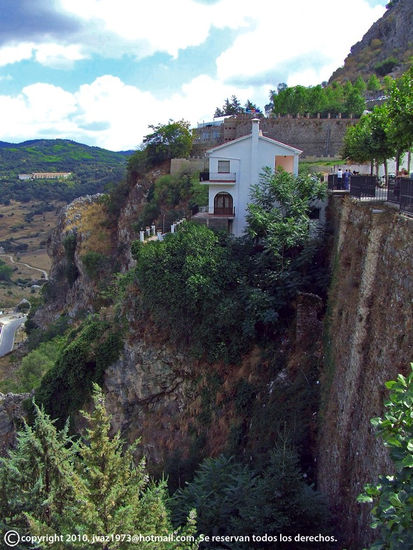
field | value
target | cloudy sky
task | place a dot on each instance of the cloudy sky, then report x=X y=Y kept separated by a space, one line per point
x=100 y=71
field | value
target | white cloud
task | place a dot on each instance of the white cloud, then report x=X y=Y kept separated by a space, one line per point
x=48 y=53
x=58 y=56
x=36 y=109
x=15 y=53
x=143 y=28
x=319 y=31
x=106 y=112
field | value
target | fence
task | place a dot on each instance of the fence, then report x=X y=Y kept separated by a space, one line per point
x=397 y=191
x=367 y=188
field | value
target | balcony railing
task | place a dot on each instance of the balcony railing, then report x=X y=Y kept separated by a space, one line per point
x=224 y=211
x=218 y=177
x=397 y=191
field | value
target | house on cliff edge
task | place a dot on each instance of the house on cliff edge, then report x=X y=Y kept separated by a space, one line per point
x=233 y=168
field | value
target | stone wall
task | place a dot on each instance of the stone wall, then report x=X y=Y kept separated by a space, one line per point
x=316 y=137
x=368 y=340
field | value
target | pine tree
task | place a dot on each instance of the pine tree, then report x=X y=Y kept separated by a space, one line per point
x=51 y=485
x=40 y=490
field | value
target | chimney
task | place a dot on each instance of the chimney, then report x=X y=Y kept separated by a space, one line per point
x=255 y=129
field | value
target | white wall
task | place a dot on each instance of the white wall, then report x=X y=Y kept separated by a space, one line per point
x=248 y=157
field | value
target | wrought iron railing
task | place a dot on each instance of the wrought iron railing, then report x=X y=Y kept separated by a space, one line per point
x=230 y=177
x=406 y=195
x=224 y=211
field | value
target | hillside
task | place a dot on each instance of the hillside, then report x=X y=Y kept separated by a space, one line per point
x=386 y=48
x=92 y=169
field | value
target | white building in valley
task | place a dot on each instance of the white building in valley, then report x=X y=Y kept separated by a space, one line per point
x=233 y=168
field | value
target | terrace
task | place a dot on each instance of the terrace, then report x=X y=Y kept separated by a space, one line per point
x=397 y=191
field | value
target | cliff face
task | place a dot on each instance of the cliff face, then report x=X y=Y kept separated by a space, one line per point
x=390 y=36
x=184 y=409
x=369 y=340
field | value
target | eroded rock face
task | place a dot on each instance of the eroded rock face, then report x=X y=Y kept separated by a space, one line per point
x=147 y=390
x=369 y=341
x=12 y=414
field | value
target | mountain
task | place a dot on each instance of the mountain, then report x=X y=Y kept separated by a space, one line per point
x=386 y=48
x=92 y=169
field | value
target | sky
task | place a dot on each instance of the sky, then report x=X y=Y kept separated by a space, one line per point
x=100 y=72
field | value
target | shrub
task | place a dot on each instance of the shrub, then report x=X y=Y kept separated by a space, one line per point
x=392 y=495
x=386 y=66
x=94 y=263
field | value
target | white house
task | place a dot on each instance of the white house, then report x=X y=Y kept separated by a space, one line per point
x=233 y=168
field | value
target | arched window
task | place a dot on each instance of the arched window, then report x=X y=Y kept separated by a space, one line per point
x=223 y=204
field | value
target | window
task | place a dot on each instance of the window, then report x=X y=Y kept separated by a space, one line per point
x=223 y=166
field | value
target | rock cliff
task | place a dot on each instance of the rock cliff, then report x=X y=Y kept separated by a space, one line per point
x=368 y=340
x=389 y=37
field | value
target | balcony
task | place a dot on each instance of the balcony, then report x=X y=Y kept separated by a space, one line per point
x=218 y=177
x=224 y=211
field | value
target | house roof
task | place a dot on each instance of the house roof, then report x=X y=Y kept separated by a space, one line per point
x=260 y=137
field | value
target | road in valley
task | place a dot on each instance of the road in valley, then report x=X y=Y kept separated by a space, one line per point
x=13 y=261
x=8 y=332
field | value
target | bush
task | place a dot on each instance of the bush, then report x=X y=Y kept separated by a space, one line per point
x=392 y=496
x=230 y=497
x=91 y=348
x=94 y=263
x=386 y=66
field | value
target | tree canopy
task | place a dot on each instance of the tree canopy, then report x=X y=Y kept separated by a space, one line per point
x=51 y=484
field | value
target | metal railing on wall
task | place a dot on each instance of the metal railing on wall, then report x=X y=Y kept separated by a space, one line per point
x=396 y=190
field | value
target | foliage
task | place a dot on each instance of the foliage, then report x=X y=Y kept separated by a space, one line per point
x=95 y=263
x=388 y=130
x=278 y=213
x=90 y=349
x=386 y=66
x=172 y=140
x=5 y=271
x=233 y=107
x=392 y=495
x=92 y=169
x=51 y=485
x=233 y=498
x=37 y=335
x=336 y=98
x=222 y=293
x=373 y=84
x=170 y=198
x=400 y=108
x=34 y=366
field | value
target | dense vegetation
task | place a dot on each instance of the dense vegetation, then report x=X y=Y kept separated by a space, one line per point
x=171 y=198
x=387 y=131
x=51 y=485
x=224 y=294
x=333 y=99
x=90 y=349
x=92 y=169
x=172 y=140
x=392 y=495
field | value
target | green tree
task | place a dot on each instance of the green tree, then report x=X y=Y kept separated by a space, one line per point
x=119 y=493
x=40 y=489
x=51 y=485
x=233 y=498
x=278 y=213
x=373 y=84
x=392 y=495
x=357 y=143
x=5 y=271
x=172 y=140
x=231 y=107
x=400 y=108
